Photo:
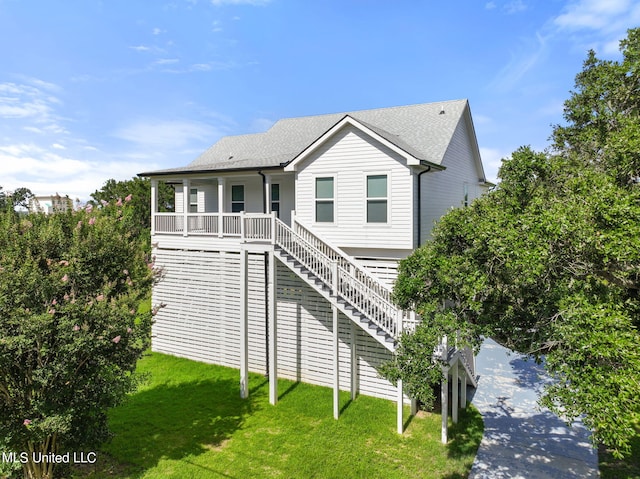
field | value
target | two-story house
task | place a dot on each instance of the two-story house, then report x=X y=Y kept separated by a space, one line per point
x=283 y=247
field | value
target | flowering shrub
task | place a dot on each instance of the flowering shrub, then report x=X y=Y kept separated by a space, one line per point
x=70 y=330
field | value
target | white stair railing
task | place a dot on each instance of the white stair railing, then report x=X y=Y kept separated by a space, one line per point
x=353 y=284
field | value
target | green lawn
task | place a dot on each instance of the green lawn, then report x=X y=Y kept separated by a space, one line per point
x=188 y=421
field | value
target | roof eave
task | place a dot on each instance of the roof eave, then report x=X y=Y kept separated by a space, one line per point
x=213 y=172
x=348 y=120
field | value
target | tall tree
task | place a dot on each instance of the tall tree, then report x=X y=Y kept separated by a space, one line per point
x=139 y=190
x=70 y=328
x=549 y=262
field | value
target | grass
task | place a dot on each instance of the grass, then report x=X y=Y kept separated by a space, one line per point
x=189 y=422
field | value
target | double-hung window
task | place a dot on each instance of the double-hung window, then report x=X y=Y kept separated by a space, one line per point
x=325 y=199
x=193 y=200
x=377 y=199
x=275 y=199
x=237 y=198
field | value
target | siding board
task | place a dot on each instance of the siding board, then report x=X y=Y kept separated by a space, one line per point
x=201 y=321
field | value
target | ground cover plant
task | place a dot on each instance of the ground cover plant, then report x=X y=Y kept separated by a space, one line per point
x=189 y=421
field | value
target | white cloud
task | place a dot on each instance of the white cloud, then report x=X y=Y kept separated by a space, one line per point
x=158 y=135
x=598 y=24
x=167 y=61
x=140 y=48
x=592 y=14
x=218 y=3
x=29 y=103
x=490 y=5
x=515 y=6
x=527 y=55
x=492 y=160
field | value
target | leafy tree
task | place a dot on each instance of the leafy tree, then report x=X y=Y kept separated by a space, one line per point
x=139 y=190
x=20 y=198
x=549 y=262
x=70 y=329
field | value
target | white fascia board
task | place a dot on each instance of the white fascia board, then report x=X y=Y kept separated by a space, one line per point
x=347 y=120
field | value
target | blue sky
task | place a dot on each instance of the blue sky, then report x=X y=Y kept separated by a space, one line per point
x=92 y=90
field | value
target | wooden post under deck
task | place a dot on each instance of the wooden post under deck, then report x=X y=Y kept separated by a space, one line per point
x=244 y=324
x=336 y=345
x=273 y=331
x=455 y=402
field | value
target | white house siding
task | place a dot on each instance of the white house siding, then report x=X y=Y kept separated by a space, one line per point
x=442 y=190
x=350 y=156
x=201 y=321
x=305 y=341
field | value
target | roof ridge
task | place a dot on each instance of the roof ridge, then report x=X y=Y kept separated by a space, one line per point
x=366 y=110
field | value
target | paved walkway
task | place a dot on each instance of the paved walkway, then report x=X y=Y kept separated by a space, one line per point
x=521 y=440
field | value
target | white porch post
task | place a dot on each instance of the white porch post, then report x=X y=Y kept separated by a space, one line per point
x=154 y=205
x=273 y=330
x=400 y=419
x=336 y=348
x=186 y=187
x=463 y=390
x=455 y=402
x=444 y=394
x=267 y=194
x=354 y=360
x=400 y=399
x=220 y=206
x=244 y=324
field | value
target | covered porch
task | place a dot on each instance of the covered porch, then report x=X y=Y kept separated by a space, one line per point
x=230 y=205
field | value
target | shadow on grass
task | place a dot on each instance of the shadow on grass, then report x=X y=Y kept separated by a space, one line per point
x=465 y=437
x=176 y=421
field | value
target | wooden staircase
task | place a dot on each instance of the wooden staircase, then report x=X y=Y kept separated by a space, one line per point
x=339 y=278
x=358 y=294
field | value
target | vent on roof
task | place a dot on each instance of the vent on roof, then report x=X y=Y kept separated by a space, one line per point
x=442 y=110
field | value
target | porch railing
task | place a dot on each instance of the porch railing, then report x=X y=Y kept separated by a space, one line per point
x=246 y=226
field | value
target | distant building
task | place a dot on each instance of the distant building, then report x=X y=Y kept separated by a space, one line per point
x=50 y=204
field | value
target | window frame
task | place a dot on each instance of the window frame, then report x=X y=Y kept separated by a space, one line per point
x=326 y=200
x=275 y=201
x=238 y=202
x=369 y=199
x=193 y=205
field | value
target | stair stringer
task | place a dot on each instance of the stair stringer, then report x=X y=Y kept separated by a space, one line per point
x=343 y=306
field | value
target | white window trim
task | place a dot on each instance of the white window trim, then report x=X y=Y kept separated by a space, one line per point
x=191 y=204
x=244 y=196
x=366 y=198
x=335 y=200
x=278 y=201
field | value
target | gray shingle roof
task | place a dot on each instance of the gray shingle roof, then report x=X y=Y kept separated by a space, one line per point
x=420 y=130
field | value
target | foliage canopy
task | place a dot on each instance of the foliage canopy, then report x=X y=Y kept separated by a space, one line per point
x=70 y=329
x=548 y=262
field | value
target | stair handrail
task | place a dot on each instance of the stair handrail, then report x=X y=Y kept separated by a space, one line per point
x=336 y=252
x=354 y=282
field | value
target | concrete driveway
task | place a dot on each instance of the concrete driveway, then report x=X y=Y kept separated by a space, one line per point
x=521 y=440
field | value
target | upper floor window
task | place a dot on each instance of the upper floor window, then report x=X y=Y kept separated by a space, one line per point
x=377 y=199
x=237 y=198
x=193 y=200
x=465 y=193
x=324 y=199
x=275 y=199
